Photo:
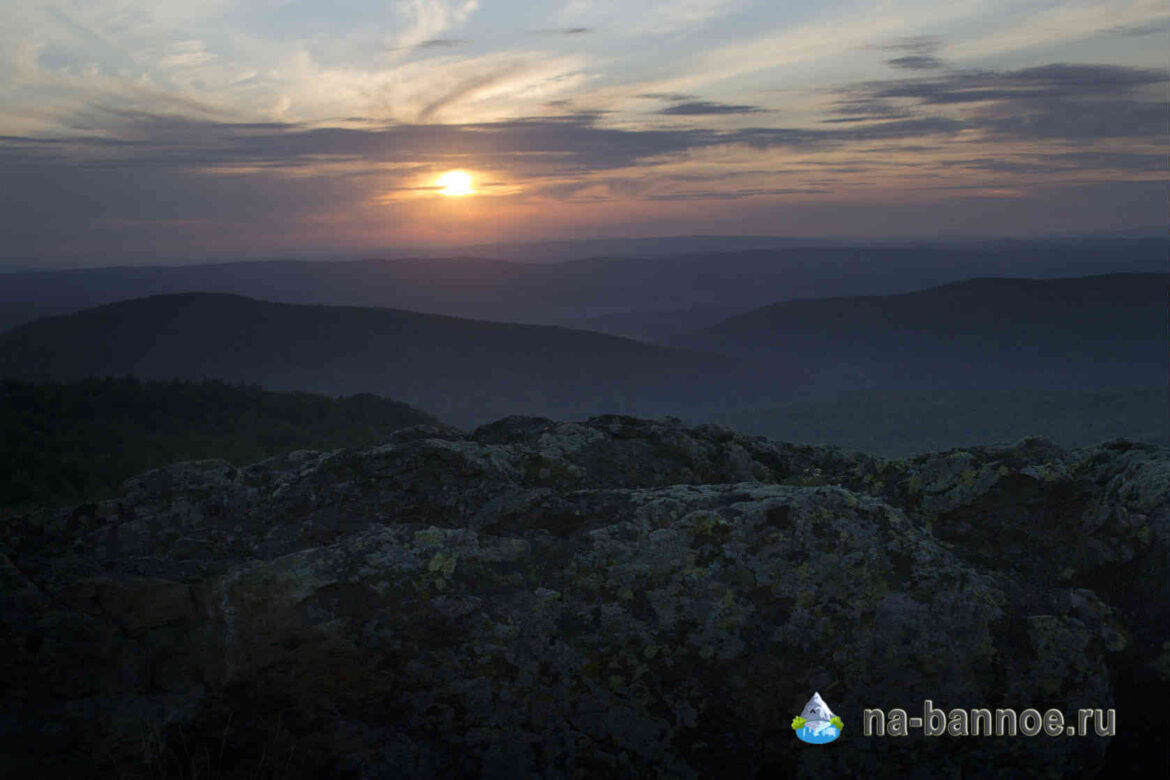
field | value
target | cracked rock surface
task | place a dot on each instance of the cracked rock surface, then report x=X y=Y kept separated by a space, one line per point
x=619 y=597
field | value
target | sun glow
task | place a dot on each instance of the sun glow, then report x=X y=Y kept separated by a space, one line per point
x=455 y=183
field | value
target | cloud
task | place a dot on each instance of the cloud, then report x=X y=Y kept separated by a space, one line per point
x=1144 y=28
x=703 y=107
x=294 y=63
x=195 y=112
x=1057 y=101
x=114 y=137
x=426 y=20
x=136 y=139
x=566 y=32
x=1077 y=120
x=917 y=53
x=674 y=96
x=866 y=109
x=454 y=89
x=918 y=44
x=830 y=36
x=916 y=62
x=765 y=138
x=469 y=87
x=1122 y=161
x=1033 y=26
x=172 y=178
x=649 y=17
x=738 y=194
x=1046 y=81
x=1078 y=162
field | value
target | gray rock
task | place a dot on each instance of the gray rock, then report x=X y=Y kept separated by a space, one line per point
x=614 y=597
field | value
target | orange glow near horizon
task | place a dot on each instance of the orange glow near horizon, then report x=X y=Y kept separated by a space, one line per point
x=455 y=184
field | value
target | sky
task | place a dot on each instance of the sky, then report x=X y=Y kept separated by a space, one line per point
x=186 y=128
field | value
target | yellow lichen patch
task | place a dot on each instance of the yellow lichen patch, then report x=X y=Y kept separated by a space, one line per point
x=443 y=563
x=429 y=537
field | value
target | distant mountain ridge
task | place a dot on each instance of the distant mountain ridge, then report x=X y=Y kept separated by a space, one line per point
x=997 y=301
x=578 y=292
x=1098 y=331
x=1010 y=337
x=463 y=370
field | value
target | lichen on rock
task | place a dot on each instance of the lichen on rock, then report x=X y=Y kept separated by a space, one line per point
x=613 y=597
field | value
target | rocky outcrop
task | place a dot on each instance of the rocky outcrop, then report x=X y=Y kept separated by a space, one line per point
x=619 y=597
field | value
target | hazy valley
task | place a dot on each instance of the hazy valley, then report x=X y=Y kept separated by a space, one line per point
x=787 y=367
x=583 y=291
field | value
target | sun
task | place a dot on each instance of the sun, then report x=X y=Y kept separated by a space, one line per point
x=455 y=183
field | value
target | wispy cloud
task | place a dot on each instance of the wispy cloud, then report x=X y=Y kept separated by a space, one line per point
x=1161 y=25
x=427 y=20
x=648 y=16
x=565 y=31
x=917 y=54
x=707 y=108
x=1077 y=162
x=441 y=43
x=1070 y=101
x=1059 y=80
x=838 y=32
x=916 y=62
x=1050 y=24
x=188 y=113
x=739 y=194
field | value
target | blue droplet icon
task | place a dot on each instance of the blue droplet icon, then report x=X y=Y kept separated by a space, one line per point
x=816 y=724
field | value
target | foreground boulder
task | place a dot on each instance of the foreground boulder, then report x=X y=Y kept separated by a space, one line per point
x=614 y=598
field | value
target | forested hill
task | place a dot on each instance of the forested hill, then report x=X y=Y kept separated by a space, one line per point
x=79 y=441
x=466 y=371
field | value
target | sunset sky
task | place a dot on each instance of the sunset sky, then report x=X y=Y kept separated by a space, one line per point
x=179 y=127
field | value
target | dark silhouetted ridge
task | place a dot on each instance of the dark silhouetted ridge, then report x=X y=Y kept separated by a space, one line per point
x=1100 y=331
x=80 y=441
x=463 y=370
